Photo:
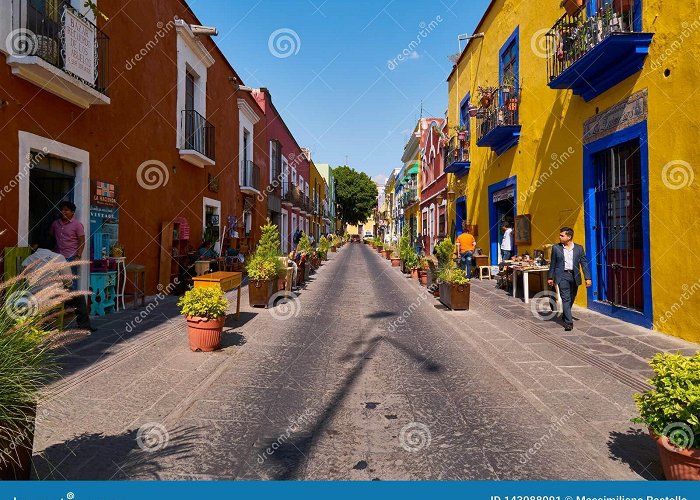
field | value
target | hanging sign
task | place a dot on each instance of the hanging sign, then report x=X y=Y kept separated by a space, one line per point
x=79 y=44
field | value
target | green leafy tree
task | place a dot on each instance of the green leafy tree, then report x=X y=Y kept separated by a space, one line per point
x=356 y=193
x=265 y=263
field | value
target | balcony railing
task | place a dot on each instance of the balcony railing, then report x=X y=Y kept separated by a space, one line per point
x=498 y=125
x=40 y=29
x=292 y=194
x=457 y=157
x=409 y=197
x=250 y=175
x=591 y=52
x=199 y=134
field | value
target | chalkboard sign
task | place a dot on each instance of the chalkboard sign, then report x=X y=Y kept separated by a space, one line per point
x=523 y=227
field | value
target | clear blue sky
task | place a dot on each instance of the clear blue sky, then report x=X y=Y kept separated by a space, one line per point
x=335 y=88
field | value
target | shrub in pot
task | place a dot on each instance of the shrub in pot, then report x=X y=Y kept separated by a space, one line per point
x=671 y=411
x=262 y=277
x=387 y=252
x=324 y=245
x=395 y=260
x=454 y=288
x=205 y=312
x=28 y=361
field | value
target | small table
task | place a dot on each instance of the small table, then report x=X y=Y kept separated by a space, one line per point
x=480 y=261
x=139 y=283
x=225 y=281
x=526 y=281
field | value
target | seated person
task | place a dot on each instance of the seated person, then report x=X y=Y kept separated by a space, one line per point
x=206 y=251
x=42 y=258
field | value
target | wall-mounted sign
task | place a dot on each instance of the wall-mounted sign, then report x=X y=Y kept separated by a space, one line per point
x=213 y=183
x=504 y=194
x=629 y=112
x=79 y=44
x=523 y=230
x=104 y=194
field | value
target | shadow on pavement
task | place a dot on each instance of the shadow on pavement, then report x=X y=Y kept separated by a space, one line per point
x=129 y=455
x=636 y=449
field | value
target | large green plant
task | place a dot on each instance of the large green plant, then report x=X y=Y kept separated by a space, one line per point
x=208 y=303
x=405 y=249
x=324 y=245
x=265 y=263
x=29 y=306
x=445 y=251
x=305 y=245
x=672 y=408
x=453 y=275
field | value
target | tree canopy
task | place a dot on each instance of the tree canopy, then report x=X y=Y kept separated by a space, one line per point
x=356 y=193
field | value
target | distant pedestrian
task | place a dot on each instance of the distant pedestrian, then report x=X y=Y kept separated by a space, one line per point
x=507 y=242
x=466 y=244
x=567 y=258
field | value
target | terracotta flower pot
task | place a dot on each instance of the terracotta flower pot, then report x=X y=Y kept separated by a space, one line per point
x=19 y=467
x=455 y=297
x=423 y=277
x=678 y=465
x=260 y=292
x=572 y=7
x=204 y=334
x=414 y=274
x=395 y=262
x=387 y=254
x=380 y=248
x=333 y=249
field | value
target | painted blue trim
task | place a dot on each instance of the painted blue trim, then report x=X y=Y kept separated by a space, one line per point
x=501 y=138
x=461 y=106
x=493 y=230
x=512 y=39
x=639 y=131
x=460 y=218
x=459 y=168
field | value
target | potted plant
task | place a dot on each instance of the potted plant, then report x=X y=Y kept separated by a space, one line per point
x=461 y=133
x=305 y=249
x=473 y=110
x=395 y=259
x=572 y=7
x=28 y=338
x=486 y=95
x=454 y=288
x=671 y=411
x=205 y=312
x=387 y=252
x=423 y=272
x=265 y=267
x=324 y=245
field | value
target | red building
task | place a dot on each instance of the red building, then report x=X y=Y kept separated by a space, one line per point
x=146 y=130
x=433 y=203
x=288 y=191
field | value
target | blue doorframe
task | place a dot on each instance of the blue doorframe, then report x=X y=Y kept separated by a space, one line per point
x=461 y=214
x=493 y=215
x=640 y=132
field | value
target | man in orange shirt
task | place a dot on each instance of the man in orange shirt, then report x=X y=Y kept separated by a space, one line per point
x=466 y=244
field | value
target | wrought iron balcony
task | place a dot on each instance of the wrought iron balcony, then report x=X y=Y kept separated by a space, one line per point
x=250 y=177
x=409 y=197
x=456 y=157
x=291 y=194
x=50 y=35
x=198 y=141
x=498 y=125
x=592 y=52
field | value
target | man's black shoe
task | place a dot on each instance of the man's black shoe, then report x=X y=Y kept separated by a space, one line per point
x=568 y=328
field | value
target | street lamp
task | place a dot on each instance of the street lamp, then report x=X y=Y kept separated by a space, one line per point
x=451 y=195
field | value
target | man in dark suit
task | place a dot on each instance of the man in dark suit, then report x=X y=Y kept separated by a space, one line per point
x=567 y=258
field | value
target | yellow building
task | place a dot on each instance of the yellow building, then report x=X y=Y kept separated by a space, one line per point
x=592 y=125
x=316 y=196
x=391 y=207
x=409 y=189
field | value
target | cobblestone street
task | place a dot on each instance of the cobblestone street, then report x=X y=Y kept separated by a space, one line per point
x=364 y=376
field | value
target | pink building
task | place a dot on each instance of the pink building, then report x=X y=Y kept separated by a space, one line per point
x=433 y=198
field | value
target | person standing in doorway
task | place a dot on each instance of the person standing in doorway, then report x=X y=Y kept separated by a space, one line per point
x=568 y=259
x=69 y=234
x=466 y=244
x=507 y=242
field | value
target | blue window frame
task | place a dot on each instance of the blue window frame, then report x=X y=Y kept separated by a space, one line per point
x=464 y=111
x=509 y=62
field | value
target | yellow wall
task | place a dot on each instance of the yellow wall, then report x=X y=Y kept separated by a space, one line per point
x=552 y=129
